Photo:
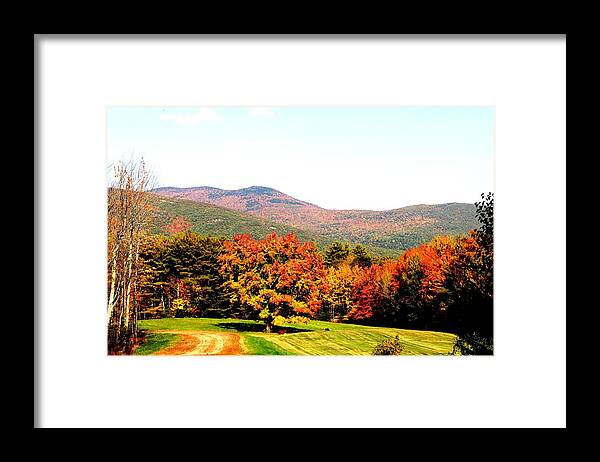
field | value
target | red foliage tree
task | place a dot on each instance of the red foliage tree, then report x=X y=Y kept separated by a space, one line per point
x=420 y=282
x=373 y=290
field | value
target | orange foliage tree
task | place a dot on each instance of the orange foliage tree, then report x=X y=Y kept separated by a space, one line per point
x=179 y=224
x=273 y=278
x=470 y=286
x=421 y=285
x=408 y=291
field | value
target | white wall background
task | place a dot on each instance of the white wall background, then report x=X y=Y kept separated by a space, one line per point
x=522 y=385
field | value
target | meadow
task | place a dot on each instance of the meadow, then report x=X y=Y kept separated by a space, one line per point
x=312 y=338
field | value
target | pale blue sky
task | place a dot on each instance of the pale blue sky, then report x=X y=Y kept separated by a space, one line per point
x=374 y=158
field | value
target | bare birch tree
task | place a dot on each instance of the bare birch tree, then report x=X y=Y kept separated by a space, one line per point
x=129 y=212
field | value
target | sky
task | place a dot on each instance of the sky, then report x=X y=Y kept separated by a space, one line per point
x=373 y=158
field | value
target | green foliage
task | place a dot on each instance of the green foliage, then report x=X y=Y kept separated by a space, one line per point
x=484 y=236
x=485 y=216
x=336 y=253
x=180 y=276
x=361 y=256
x=409 y=307
x=180 y=307
x=473 y=344
x=422 y=223
x=210 y=220
x=389 y=347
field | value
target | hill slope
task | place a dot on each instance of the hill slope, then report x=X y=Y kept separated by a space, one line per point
x=212 y=220
x=217 y=221
x=396 y=229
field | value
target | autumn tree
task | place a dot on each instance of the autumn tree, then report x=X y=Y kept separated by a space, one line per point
x=373 y=292
x=366 y=294
x=273 y=278
x=470 y=283
x=179 y=224
x=337 y=292
x=409 y=292
x=128 y=214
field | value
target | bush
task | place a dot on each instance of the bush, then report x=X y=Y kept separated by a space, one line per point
x=279 y=321
x=298 y=320
x=473 y=344
x=180 y=307
x=389 y=347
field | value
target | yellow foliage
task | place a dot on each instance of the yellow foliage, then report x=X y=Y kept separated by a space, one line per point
x=278 y=321
x=264 y=314
x=179 y=304
x=298 y=320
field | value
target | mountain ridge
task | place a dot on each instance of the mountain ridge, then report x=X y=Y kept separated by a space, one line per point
x=261 y=189
x=398 y=228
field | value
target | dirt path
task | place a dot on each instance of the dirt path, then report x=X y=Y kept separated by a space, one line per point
x=199 y=343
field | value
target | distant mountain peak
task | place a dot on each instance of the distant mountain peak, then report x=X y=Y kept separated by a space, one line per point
x=257 y=199
x=258 y=190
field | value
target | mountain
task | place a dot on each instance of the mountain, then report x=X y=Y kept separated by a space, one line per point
x=257 y=200
x=213 y=220
x=217 y=221
x=396 y=229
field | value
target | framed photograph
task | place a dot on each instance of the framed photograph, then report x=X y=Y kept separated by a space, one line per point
x=228 y=221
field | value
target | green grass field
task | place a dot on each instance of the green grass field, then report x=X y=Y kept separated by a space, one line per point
x=314 y=338
x=156 y=342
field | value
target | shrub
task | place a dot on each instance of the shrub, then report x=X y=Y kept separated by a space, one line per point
x=180 y=307
x=389 y=347
x=473 y=344
x=279 y=321
x=298 y=320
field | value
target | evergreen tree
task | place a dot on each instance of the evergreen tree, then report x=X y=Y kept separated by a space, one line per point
x=336 y=254
x=361 y=257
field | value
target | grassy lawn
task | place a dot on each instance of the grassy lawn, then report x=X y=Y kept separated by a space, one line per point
x=314 y=338
x=255 y=344
x=156 y=342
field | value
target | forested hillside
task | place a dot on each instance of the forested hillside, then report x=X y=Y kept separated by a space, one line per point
x=211 y=220
x=384 y=232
